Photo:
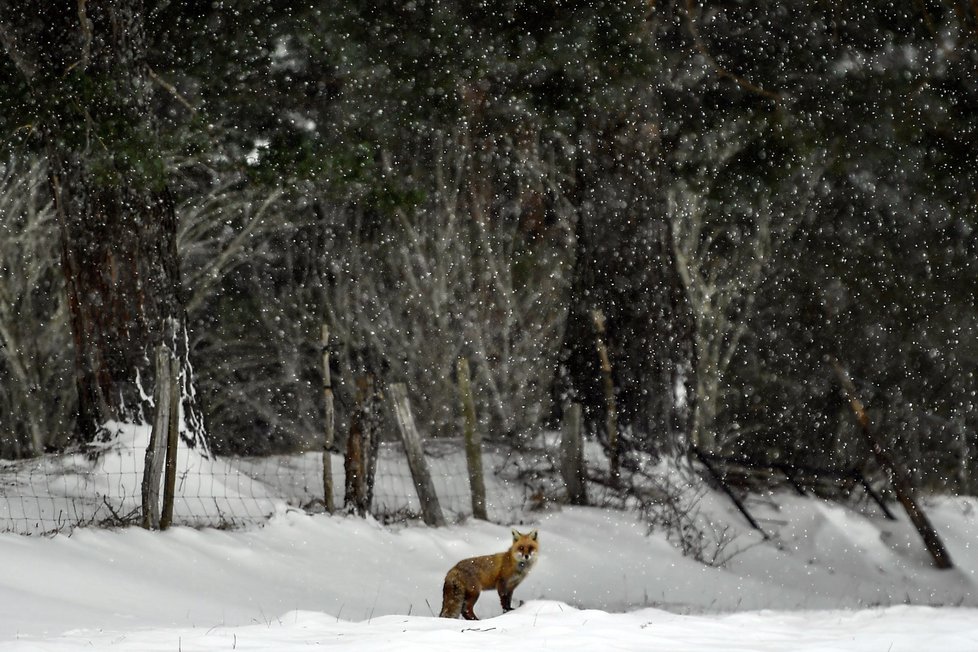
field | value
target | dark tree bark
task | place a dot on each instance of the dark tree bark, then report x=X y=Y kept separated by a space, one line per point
x=629 y=277
x=624 y=267
x=85 y=65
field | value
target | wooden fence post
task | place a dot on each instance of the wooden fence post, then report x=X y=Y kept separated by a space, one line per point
x=361 y=449
x=572 y=456
x=156 y=450
x=611 y=406
x=473 y=442
x=172 y=441
x=901 y=485
x=329 y=425
x=430 y=508
x=353 y=467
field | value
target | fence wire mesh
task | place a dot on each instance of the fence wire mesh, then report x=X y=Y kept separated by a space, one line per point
x=102 y=487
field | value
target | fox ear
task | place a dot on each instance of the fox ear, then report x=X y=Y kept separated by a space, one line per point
x=516 y=535
x=533 y=535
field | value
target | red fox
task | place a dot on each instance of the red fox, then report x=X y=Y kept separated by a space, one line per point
x=503 y=571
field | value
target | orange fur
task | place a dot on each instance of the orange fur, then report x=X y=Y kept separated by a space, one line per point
x=503 y=571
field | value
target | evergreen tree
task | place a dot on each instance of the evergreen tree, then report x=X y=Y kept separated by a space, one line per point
x=84 y=87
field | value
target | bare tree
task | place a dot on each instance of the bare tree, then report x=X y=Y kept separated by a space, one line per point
x=253 y=302
x=723 y=259
x=220 y=230
x=36 y=396
x=458 y=275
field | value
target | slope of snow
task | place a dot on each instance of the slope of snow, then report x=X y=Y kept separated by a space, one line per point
x=305 y=578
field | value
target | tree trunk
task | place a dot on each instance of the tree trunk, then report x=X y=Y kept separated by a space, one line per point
x=624 y=267
x=648 y=332
x=86 y=69
x=120 y=264
x=896 y=473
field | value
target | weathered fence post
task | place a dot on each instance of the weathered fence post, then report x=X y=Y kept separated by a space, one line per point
x=611 y=406
x=473 y=441
x=572 y=456
x=172 y=441
x=156 y=450
x=430 y=508
x=901 y=485
x=329 y=425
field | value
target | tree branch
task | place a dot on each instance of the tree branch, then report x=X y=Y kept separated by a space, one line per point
x=86 y=29
x=720 y=70
x=172 y=90
x=21 y=58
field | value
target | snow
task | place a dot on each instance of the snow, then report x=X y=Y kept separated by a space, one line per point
x=554 y=625
x=833 y=577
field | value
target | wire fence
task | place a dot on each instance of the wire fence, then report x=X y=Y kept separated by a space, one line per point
x=102 y=487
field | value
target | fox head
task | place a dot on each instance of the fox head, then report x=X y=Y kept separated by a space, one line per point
x=524 y=548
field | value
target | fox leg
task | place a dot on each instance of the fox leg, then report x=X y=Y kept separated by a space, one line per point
x=505 y=592
x=505 y=597
x=469 y=605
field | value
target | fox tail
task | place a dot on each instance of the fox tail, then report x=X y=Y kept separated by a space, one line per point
x=451 y=603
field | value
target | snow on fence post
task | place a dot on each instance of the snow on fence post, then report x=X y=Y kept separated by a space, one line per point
x=172 y=441
x=155 y=451
x=473 y=442
x=329 y=424
x=611 y=407
x=430 y=508
x=572 y=456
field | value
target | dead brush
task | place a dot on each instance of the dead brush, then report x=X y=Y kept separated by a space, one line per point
x=672 y=505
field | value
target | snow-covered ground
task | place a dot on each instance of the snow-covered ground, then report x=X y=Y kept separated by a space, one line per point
x=601 y=583
x=832 y=578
